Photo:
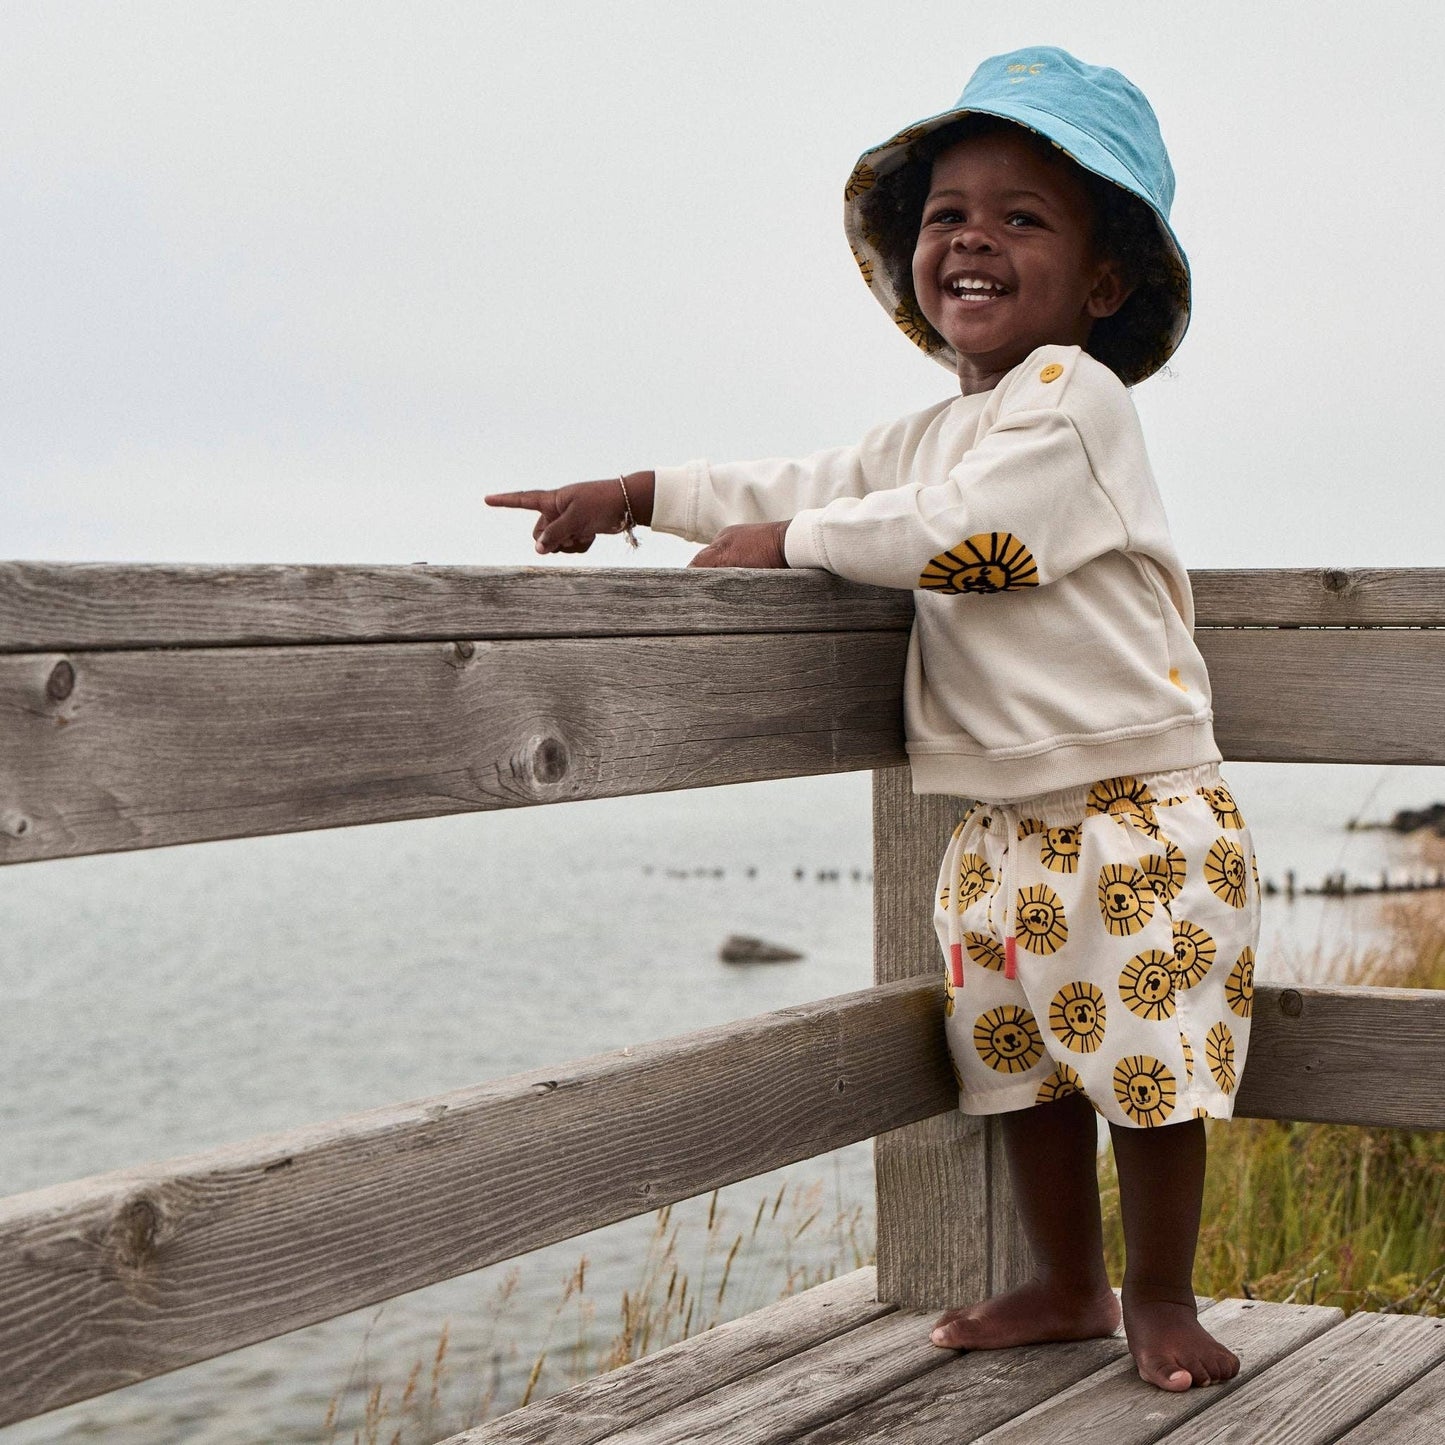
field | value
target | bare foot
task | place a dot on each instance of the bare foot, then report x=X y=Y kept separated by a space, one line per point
x=1031 y=1314
x=1171 y=1348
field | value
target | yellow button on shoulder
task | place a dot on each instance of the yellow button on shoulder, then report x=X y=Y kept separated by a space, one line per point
x=1052 y=372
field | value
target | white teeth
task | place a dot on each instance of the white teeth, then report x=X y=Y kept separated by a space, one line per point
x=970 y=283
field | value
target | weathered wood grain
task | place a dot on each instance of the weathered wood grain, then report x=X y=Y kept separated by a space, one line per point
x=118 y=750
x=107 y=751
x=1346 y=1055
x=1328 y=697
x=1319 y=1391
x=969 y=1394
x=809 y=1389
x=1415 y=1415
x=648 y=1387
x=1319 y=597
x=117 y=1278
x=947 y=1232
x=1113 y=1406
x=60 y=606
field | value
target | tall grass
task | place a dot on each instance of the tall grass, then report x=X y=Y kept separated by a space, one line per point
x=1329 y=1213
x=697 y=1272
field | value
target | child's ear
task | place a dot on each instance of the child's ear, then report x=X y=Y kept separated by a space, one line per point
x=1110 y=292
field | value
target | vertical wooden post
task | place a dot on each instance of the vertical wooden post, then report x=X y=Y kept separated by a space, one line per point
x=947 y=1230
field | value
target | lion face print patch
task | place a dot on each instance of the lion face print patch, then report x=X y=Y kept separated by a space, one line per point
x=1076 y=1016
x=1144 y=1088
x=1193 y=953
x=1225 y=871
x=1039 y=920
x=989 y=562
x=1165 y=871
x=1062 y=1082
x=1007 y=1039
x=1147 y=985
x=1126 y=798
x=1126 y=900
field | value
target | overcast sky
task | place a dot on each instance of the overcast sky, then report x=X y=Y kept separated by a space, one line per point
x=299 y=282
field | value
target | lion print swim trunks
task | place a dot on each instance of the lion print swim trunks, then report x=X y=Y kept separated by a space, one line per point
x=1100 y=940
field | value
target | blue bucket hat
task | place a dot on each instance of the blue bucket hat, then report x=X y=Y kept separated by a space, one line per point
x=1103 y=123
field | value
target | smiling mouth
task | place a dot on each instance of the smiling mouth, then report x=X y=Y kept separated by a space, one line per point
x=973 y=291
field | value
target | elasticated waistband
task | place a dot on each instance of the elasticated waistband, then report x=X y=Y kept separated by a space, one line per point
x=1066 y=806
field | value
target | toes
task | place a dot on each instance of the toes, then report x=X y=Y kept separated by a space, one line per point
x=1167 y=1374
x=949 y=1331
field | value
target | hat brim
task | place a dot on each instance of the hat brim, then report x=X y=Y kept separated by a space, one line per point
x=1080 y=147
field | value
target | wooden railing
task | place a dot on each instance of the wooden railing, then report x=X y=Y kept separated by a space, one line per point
x=145 y=706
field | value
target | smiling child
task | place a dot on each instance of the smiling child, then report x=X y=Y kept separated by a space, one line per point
x=1098 y=904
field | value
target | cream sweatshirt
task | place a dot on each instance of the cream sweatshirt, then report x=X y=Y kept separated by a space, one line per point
x=1052 y=642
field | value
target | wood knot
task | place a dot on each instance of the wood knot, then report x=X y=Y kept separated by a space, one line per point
x=135 y=1232
x=548 y=760
x=458 y=654
x=61 y=682
x=1337 y=580
x=1291 y=1003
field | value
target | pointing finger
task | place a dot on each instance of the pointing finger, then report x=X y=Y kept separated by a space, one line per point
x=529 y=500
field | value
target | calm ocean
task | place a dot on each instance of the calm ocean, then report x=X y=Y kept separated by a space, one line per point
x=160 y=1003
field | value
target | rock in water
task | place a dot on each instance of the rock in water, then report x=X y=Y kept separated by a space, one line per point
x=741 y=949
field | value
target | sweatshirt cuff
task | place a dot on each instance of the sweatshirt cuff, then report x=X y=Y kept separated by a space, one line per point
x=803 y=541
x=674 y=499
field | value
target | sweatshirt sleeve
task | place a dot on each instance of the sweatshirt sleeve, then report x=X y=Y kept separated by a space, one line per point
x=697 y=500
x=1020 y=509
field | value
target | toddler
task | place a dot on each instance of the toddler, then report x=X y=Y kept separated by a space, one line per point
x=1098 y=905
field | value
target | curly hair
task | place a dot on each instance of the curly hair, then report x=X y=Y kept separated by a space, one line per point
x=1135 y=341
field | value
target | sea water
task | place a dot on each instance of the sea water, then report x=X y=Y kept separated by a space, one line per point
x=154 y=1004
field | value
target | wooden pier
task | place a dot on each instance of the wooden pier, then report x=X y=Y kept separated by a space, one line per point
x=147 y=706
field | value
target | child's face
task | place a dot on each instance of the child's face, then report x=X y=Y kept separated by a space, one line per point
x=1002 y=212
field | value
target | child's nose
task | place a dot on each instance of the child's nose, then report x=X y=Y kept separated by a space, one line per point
x=973 y=238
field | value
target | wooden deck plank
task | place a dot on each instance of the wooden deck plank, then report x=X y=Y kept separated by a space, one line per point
x=650 y=1386
x=969 y=1394
x=1114 y=1406
x=1417 y=1413
x=63 y=606
x=809 y=1389
x=1325 y=1388
x=118 y=1278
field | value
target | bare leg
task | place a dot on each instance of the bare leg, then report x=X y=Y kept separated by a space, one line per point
x=1161 y=1184
x=1052 y=1163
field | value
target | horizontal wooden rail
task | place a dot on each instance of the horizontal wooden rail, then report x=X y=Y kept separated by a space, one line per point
x=1373 y=1056
x=1329 y=696
x=56 y=607
x=61 y=607
x=117 y=750
x=121 y=1277
x=117 y=1278
x=105 y=751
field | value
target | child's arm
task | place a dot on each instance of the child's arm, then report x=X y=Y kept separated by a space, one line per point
x=571 y=518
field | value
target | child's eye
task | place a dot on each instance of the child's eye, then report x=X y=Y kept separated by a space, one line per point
x=946 y=216
x=1024 y=218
